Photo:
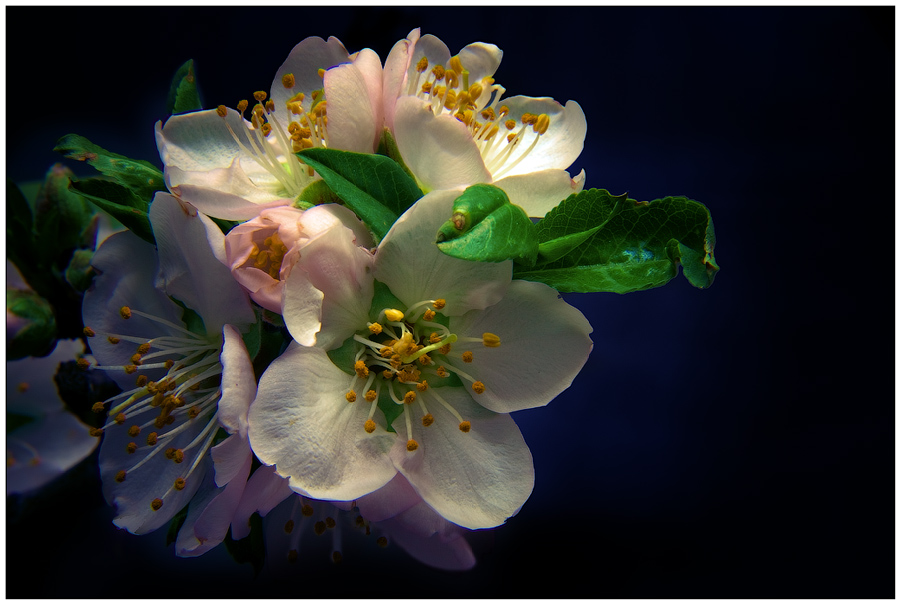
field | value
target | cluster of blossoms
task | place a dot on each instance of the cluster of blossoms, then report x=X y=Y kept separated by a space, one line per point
x=389 y=402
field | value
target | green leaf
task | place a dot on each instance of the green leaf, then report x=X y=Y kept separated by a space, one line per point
x=375 y=187
x=390 y=409
x=142 y=177
x=119 y=202
x=387 y=146
x=486 y=227
x=637 y=246
x=175 y=525
x=61 y=215
x=316 y=193
x=79 y=273
x=252 y=548
x=183 y=93
x=253 y=337
x=344 y=355
x=37 y=334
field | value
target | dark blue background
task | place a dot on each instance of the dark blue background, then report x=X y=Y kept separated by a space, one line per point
x=735 y=442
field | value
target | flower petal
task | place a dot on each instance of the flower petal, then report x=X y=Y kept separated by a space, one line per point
x=430 y=539
x=433 y=49
x=475 y=479
x=264 y=491
x=438 y=149
x=301 y=423
x=558 y=147
x=539 y=192
x=301 y=308
x=228 y=458
x=238 y=382
x=544 y=344
x=480 y=60
x=393 y=498
x=223 y=204
x=351 y=116
x=395 y=74
x=412 y=266
x=190 y=269
x=304 y=62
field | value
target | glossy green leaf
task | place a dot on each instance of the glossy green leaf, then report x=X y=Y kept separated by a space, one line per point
x=486 y=227
x=387 y=146
x=637 y=246
x=119 y=202
x=316 y=193
x=37 y=334
x=375 y=187
x=142 y=177
x=183 y=93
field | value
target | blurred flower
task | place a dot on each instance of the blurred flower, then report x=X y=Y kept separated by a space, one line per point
x=454 y=129
x=407 y=344
x=30 y=322
x=231 y=167
x=262 y=251
x=167 y=356
x=43 y=439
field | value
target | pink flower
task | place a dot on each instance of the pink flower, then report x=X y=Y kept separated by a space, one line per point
x=261 y=252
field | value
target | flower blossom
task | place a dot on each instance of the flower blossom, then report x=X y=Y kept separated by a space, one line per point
x=454 y=129
x=412 y=337
x=46 y=440
x=175 y=361
x=262 y=251
x=231 y=166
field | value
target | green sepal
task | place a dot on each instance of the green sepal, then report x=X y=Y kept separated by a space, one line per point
x=638 y=246
x=143 y=178
x=375 y=187
x=390 y=409
x=383 y=297
x=253 y=337
x=344 y=355
x=14 y=421
x=38 y=336
x=183 y=93
x=486 y=227
x=252 y=548
x=119 y=202
x=175 y=525
x=60 y=215
x=79 y=273
x=315 y=193
x=387 y=146
x=191 y=318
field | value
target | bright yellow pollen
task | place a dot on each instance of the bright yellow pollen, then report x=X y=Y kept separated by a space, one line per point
x=350 y=396
x=89 y=332
x=321 y=72
x=465 y=426
x=542 y=123
x=179 y=484
x=410 y=397
x=260 y=95
x=439 y=304
x=411 y=445
x=221 y=110
x=287 y=80
x=438 y=72
x=490 y=340
x=370 y=396
x=361 y=369
x=393 y=314
x=456 y=64
x=375 y=328
x=429 y=315
x=475 y=91
x=427 y=419
x=478 y=387
x=369 y=426
x=422 y=386
x=434 y=338
x=422 y=65
x=125 y=312
x=405 y=345
x=510 y=124
x=156 y=504
x=467 y=356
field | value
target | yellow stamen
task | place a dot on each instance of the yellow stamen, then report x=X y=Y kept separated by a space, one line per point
x=370 y=396
x=393 y=314
x=260 y=95
x=179 y=484
x=287 y=80
x=427 y=419
x=375 y=328
x=221 y=110
x=411 y=445
x=120 y=476
x=490 y=340
x=89 y=332
x=350 y=396
x=410 y=397
x=465 y=426
x=478 y=387
x=369 y=426
x=156 y=504
x=467 y=356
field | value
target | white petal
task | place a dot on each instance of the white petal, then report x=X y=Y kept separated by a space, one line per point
x=431 y=47
x=228 y=458
x=430 y=539
x=301 y=423
x=476 y=479
x=395 y=75
x=539 y=192
x=369 y=65
x=544 y=344
x=238 y=382
x=351 y=116
x=439 y=150
x=30 y=387
x=200 y=141
x=393 y=498
x=189 y=269
x=480 y=60
x=411 y=265
x=225 y=204
x=264 y=491
x=559 y=146
x=302 y=307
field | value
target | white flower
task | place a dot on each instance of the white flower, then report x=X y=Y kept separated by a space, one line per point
x=453 y=346
x=175 y=362
x=231 y=167
x=454 y=129
x=48 y=439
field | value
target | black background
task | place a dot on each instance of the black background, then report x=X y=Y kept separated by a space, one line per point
x=735 y=442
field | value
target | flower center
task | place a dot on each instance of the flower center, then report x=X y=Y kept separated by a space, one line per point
x=273 y=145
x=155 y=412
x=476 y=106
x=268 y=256
x=397 y=354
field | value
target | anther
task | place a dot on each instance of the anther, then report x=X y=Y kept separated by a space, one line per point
x=361 y=369
x=129 y=369
x=319 y=528
x=465 y=426
x=490 y=340
x=306 y=510
x=427 y=419
x=387 y=374
x=467 y=356
x=442 y=372
x=134 y=430
x=382 y=541
x=292 y=556
x=422 y=386
x=168 y=364
x=330 y=522
x=136 y=358
x=370 y=396
x=141 y=381
x=287 y=80
x=439 y=304
x=156 y=504
x=438 y=72
x=170 y=453
x=422 y=65
x=410 y=397
x=151 y=438
x=289 y=527
x=88 y=332
x=270 y=106
x=369 y=426
x=221 y=110
x=242 y=105
x=434 y=338
x=113 y=339
x=179 y=456
x=478 y=387
x=260 y=95
x=125 y=312
x=411 y=445
x=393 y=314
x=193 y=412
x=429 y=315
x=98 y=407
x=542 y=123
x=510 y=124
x=179 y=484
x=456 y=64
x=375 y=328
x=120 y=476
x=321 y=72
x=336 y=557
x=350 y=396
x=475 y=91
x=96 y=431
x=120 y=419
x=83 y=364
x=131 y=448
